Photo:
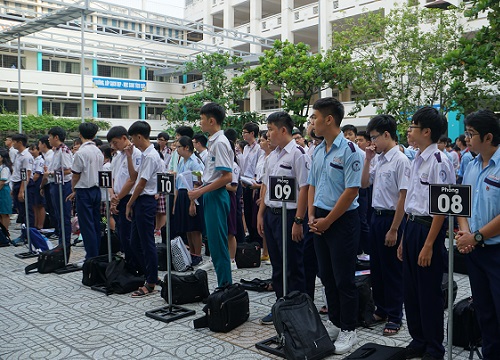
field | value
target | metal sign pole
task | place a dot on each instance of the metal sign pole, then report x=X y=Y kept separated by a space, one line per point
x=61 y=211
x=26 y=209
x=107 y=226
x=169 y=250
x=450 y=286
x=285 y=246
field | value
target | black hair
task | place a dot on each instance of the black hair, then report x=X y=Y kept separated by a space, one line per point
x=21 y=138
x=88 y=130
x=330 y=106
x=252 y=128
x=202 y=139
x=59 y=132
x=34 y=146
x=214 y=110
x=297 y=131
x=485 y=122
x=157 y=148
x=281 y=119
x=98 y=142
x=106 y=151
x=444 y=139
x=263 y=133
x=116 y=132
x=77 y=141
x=231 y=134
x=235 y=159
x=382 y=123
x=140 y=128
x=163 y=135
x=45 y=140
x=364 y=134
x=186 y=141
x=429 y=118
x=184 y=130
x=6 y=158
x=350 y=127
x=461 y=140
x=242 y=143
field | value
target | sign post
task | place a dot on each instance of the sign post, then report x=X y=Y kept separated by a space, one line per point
x=451 y=200
x=30 y=253
x=105 y=183
x=166 y=185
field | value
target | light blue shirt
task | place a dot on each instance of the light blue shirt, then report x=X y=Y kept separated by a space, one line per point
x=464 y=161
x=333 y=172
x=194 y=163
x=485 y=192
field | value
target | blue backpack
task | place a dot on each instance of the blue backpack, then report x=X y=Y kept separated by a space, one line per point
x=38 y=241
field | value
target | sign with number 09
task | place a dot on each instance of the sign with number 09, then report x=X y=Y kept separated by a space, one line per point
x=450 y=200
x=165 y=183
x=282 y=188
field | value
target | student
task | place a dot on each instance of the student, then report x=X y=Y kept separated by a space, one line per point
x=38 y=202
x=87 y=163
x=363 y=140
x=215 y=197
x=232 y=230
x=122 y=187
x=174 y=159
x=465 y=157
x=5 y=198
x=76 y=145
x=141 y=207
x=350 y=132
x=200 y=145
x=334 y=180
x=479 y=235
x=423 y=244
x=162 y=141
x=188 y=215
x=12 y=150
x=442 y=144
x=390 y=177
x=48 y=155
x=299 y=140
x=24 y=160
x=287 y=159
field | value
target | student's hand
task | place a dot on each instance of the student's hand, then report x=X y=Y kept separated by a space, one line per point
x=113 y=209
x=192 y=209
x=311 y=221
x=370 y=152
x=400 y=251
x=391 y=237
x=71 y=196
x=319 y=226
x=114 y=200
x=465 y=242
x=257 y=202
x=42 y=192
x=297 y=232
x=20 y=196
x=194 y=194
x=129 y=150
x=128 y=211
x=425 y=256
x=260 y=224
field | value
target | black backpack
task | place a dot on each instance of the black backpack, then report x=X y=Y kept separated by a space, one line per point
x=188 y=288
x=4 y=236
x=94 y=270
x=372 y=351
x=466 y=331
x=49 y=260
x=121 y=278
x=366 y=306
x=247 y=255
x=301 y=333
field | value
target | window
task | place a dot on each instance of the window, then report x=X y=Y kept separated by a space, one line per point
x=11 y=106
x=112 y=71
x=61 y=108
x=10 y=61
x=112 y=111
x=269 y=104
x=67 y=67
x=154 y=113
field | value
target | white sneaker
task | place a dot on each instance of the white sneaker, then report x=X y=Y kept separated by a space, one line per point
x=207 y=265
x=233 y=266
x=332 y=330
x=345 y=342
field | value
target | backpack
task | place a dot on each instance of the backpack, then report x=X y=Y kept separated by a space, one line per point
x=49 y=261
x=186 y=289
x=301 y=332
x=466 y=330
x=121 y=278
x=372 y=351
x=38 y=241
x=4 y=236
x=94 y=270
x=366 y=306
x=181 y=258
x=247 y=255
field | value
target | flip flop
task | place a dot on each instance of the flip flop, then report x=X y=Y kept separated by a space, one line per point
x=391 y=328
x=376 y=321
x=141 y=293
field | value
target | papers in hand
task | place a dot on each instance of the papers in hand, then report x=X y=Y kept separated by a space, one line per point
x=247 y=180
x=186 y=178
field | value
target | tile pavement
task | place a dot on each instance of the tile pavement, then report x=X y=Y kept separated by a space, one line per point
x=49 y=316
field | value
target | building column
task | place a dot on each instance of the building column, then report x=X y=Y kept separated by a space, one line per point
x=94 y=67
x=39 y=107
x=455 y=127
x=143 y=72
x=287 y=20
x=94 y=109
x=228 y=18
x=143 y=111
x=208 y=19
x=39 y=62
x=255 y=28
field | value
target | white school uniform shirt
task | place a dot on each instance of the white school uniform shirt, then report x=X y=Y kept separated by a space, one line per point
x=5 y=175
x=259 y=169
x=151 y=164
x=12 y=154
x=236 y=174
x=119 y=169
x=62 y=155
x=429 y=167
x=251 y=154
x=87 y=162
x=49 y=156
x=291 y=161
x=389 y=176
x=38 y=164
x=220 y=157
x=203 y=156
x=24 y=160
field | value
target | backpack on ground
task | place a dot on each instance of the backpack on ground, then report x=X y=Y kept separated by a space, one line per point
x=4 y=236
x=94 y=269
x=301 y=332
x=372 y=351
x=248 y=255
x=227 y=308
x=366 y=305
x=49 y=261
x=115 y=242
x=444 y=289
x=186 y=289
x=121 y=278
x=181 y=258
x=38 y=241
x=466 y=330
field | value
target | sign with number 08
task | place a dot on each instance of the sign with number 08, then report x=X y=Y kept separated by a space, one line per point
x=450 y=200
x=282 y=188
x=165 y=183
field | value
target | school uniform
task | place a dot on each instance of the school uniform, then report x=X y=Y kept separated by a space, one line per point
x=61 y=161
x=38 y=165
x=24 y=160
x=423 y=298
x=203 y=155
x=465 y=158
x=142 y=238
x=220 y=158
x=49 y=207
x=5 y=198
x=87 y=163
x=232 y=217
x=291 y=161
x=483 y=263
x=390 y=175
x=331 y=173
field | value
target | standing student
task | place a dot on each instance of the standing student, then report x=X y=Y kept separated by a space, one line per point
x=422 y=248
x=141 y=207
x=162 y=141
x=215 y=197
x=287 y=159
x=334 y=180
x=23 y=160
x=5 y=198
x=389 y=177
x=200 y=145
x=48 y=155
x=479 y=236
x=38 y=201
x=465 y=157
x=87 y=163
x=12 y=150
x=232 y=230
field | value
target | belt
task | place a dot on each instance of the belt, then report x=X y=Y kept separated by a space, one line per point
x=423 y=220
x=278 y=210
x=384 y=212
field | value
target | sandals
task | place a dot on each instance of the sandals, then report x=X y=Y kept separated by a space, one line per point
x=377 y=319
x=391 y=328
x=143 y=291
x=323 y=310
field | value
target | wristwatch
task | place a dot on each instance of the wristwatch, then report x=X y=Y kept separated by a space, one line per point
x=479 y=238
x=298 y=220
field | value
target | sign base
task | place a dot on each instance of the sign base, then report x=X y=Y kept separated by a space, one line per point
x=271 y=346
x=169 y=313
x=68 y=269
x=26 y=255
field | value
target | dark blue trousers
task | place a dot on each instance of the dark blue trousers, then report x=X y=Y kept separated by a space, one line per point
x=49 y=207
x=54 y=192
x=484 y=276
x=250 y=207
x=310 y=262
x=240 y=230
x=336 y=253
x=423 y=298
x=142 y=237
x=124 y=229
x=295 y=253
x=364 y=233
x=88 y=207
x=21 y=206
x=386 y=270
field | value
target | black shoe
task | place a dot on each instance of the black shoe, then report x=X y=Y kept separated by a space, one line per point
x=428 y=356
x=412 y=353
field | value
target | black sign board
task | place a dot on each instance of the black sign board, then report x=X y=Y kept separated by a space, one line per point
x=105 y=179
x=282 y=188
x=58 y=177
x=24 y=175
x=450 y=200
x=165 y=183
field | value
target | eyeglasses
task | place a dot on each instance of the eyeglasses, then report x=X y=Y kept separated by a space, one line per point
x=469 y=134
x=411 y=127
x=373 y=138
x=245 y=132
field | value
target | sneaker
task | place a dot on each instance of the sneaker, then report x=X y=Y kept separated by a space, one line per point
x=196 y=260
x=332 y=330
x=79 y=264
x=267 y=320
x=345 y=341
x=233 y=265
x=264 y=258
x=209 y=265
x=17 y=241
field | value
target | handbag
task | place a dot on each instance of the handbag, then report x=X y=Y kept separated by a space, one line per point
x=49 y=261
x=188 y=288
x=121 y=278
x=181 y=258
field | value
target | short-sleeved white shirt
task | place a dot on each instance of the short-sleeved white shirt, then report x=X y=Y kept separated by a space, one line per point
x=291 y=161
x=389 y=176
x=119 y=168
x=62 y=158
x=5 y=174
x=87 y=162
x=236 y=174
x=220 y=157
x=48 y=156
x=12 y=154
x=203 y=156
x=38 y=164
x=251 y=154
x=151 y=164
x=24 y=160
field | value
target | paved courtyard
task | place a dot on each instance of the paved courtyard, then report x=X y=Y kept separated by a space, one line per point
x=49 y=316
